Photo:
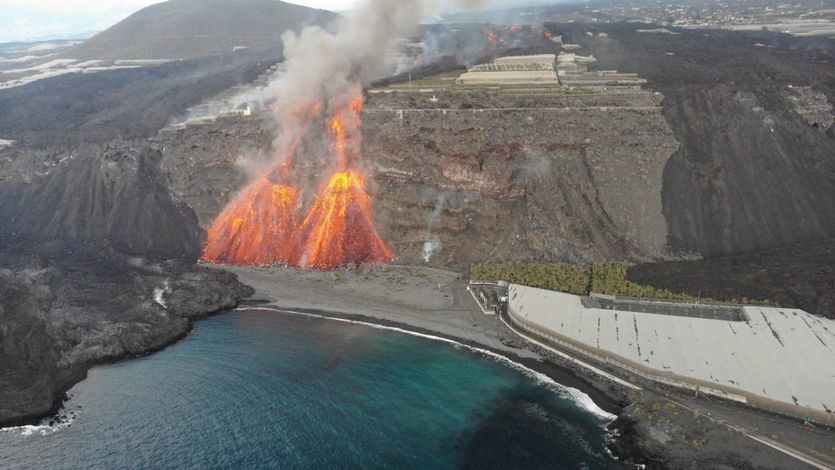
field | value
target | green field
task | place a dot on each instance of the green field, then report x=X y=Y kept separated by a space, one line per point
x=603 y=278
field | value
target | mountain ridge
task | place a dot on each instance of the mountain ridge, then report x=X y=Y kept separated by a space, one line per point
x=188 y=29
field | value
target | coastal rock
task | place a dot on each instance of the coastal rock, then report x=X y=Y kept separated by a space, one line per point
x=58 y=320
x=660 y=434
x=102 y=197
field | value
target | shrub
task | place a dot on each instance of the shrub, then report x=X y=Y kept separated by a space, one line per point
x=604 y=278
x=571 y=278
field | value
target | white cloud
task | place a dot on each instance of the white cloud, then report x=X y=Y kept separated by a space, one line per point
x=75 y=6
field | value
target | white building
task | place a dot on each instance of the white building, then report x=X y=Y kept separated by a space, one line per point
x=778 y=359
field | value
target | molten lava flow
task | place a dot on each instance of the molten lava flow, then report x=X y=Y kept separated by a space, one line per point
x=260 y=226
x=257 y=228
x=492 y=38
x=339 y=228
x=343 y=125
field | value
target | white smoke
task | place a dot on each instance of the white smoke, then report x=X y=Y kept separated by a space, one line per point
x=433 y=243
x=330 y=68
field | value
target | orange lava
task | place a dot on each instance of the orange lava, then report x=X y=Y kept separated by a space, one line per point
x=344 y=124
x=339 y=228
x=257 y=228
x=260 y=226
x=492 y=38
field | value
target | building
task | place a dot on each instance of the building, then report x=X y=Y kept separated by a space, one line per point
x=778 y=359
x=515 y=70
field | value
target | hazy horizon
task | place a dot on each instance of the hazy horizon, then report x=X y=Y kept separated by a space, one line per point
x=35 y=20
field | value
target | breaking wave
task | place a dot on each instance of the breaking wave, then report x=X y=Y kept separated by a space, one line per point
x=569 y=393
x=47 y=426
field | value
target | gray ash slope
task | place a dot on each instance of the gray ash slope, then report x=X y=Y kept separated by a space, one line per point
x=112 y=195
x=97 y=264
x=752 y=172
x=188 y=29
x=752 y=186
x=75 y=109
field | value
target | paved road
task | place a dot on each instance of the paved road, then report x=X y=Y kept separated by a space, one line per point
x=477 y=110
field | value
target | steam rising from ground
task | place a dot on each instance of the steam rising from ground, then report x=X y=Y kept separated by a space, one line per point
x=433 y=243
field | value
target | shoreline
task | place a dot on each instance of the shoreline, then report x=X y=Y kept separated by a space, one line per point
x=646 y=429
x=562 y=376
x=80 y=374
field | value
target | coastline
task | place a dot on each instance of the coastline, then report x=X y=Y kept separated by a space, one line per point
x=646 y=426
x=418 y=299
x=189 y=311
x=560 y=376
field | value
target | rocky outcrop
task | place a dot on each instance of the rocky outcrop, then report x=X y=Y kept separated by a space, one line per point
x=657 y=433
x=113 y=276
x=109 y=197
x=796 y=276
x=467 y=177
x=754 y=170
x=59 y=319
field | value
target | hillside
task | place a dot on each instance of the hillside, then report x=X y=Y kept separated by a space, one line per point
x=186 y=29
x=754 y=170
x=130 y=103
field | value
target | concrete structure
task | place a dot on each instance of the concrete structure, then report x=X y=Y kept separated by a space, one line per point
x=509 y=78
x=778 y=359
x=546 y=61
x=573 y=64
x=512 y=70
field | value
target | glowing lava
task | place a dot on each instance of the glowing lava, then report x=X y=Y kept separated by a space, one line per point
x=256 y=228
x=260 y=226
x=339 y=228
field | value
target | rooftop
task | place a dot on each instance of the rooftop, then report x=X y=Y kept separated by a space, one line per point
x=769 y=354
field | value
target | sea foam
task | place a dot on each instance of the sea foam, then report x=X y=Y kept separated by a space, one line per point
x=564 y=391
x=63 y=420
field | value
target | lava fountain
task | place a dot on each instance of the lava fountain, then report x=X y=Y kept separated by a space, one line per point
x=260 y=226
x=339 y=228
x=256 y=228
x=323 y=69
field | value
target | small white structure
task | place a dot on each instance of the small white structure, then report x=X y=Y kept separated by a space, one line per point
x=545 y=61
x=531 y=69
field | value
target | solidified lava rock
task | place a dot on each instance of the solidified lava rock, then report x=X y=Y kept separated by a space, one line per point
x=109 y=197
x=59 y=319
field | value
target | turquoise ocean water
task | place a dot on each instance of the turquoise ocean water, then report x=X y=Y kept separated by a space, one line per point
x=262 y=389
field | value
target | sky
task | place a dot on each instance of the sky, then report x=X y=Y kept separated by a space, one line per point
x=27 y=20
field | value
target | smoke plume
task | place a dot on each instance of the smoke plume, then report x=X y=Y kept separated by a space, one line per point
x=324 y=74
x=329 y=68
x=433 y=243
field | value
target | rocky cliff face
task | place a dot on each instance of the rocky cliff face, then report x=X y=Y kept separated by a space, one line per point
x=99 y=197
x=754 y=170
x=574 y=179
x=734 y=157
x=468 y=177
x=59 y=319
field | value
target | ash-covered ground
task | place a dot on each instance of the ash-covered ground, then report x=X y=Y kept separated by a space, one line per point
x=726 y=154
x=98 y=264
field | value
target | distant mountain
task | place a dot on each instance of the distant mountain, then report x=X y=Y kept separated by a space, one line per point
x=186 y=29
